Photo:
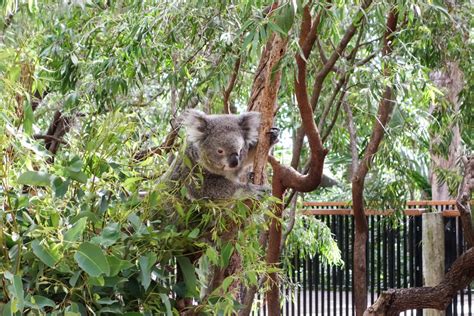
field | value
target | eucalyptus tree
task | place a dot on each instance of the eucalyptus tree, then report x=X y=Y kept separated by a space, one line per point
x=91 y=91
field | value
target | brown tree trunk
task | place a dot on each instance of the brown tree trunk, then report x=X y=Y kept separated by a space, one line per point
x=394 y=301
x=361 y=227
x=263 y=99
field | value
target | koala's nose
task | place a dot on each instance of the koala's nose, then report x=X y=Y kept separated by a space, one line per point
x=233 y=160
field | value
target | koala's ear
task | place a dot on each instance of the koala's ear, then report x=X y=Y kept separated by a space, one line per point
x=195 y=123
x=250 y=124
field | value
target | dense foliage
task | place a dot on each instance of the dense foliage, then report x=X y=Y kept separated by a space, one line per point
x=85 y=227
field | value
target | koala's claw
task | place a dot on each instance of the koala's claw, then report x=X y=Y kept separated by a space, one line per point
x=261 y=190
x=251 y=177
x=274 y=134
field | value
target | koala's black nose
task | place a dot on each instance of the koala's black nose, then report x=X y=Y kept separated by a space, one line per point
x=233 y=160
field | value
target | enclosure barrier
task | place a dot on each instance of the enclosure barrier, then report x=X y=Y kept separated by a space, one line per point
x=394 y=260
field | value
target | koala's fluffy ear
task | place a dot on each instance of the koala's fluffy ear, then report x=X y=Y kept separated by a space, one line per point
x=250 y=123
x=195 y=123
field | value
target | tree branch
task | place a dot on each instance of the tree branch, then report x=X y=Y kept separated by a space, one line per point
x=228 y=109
x=463 y=200
x=358 y=179
x=352 y=139
x=394 y=301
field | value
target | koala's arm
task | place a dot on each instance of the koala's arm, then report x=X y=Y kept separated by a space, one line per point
x=273 y=135
x=216 y=187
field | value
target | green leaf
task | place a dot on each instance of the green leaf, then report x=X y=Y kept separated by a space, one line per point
x=226 y=283
x=276 y=28
x=146 y=263
x=165 y=299
x=48 y=256
x=96 y=281
x=39 y=302
x=227 y=251
x=71 y=101
x=60 y=187
x=189 y=275
x=72 y=234
x=78 y=176
x=285 y=19
x=28 y=118
x=18 y=292
x=211 y=253
x=74 y=278
x=75 y=164
x=35 y=178
x=194 y=233
x=109 y=235
x=117 y=265
x=92 y=260
x=252 y=277
x=7 y=309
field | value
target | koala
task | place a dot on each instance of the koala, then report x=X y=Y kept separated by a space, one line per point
x=220 y=148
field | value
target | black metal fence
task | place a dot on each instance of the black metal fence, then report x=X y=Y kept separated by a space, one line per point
x=394 y=260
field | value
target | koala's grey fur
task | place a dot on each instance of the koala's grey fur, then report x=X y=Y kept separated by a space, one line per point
x=220 y=148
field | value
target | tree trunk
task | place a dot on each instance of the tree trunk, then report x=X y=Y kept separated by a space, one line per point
x=450 y=80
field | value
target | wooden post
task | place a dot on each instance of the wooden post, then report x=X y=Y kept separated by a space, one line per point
x=433 y=253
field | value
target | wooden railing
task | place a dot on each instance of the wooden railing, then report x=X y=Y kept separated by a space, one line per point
x=413 y=208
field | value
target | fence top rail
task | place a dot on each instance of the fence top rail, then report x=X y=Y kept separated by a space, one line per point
x=409 y=203
x=407 y=212
x=413 y=208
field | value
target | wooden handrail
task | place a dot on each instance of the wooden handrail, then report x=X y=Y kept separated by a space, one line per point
x=344 y=208
x=407 y=212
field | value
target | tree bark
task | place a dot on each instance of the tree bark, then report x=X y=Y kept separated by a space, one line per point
x=463 y=201
x=263 y=99
x=394 y=301
x=451 y=81
x=361 y=227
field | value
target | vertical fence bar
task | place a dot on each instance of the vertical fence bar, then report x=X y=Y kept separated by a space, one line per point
x=391 y=255
x=398 y=245
x=304 y=281
x=450 y=254
x=317 y=283
x=310 y=284
x=351 y=262
x=335 y=230
x=406 y=220
x=372 y=260
x=418 y=257
x=379 y=256
x=460 y=250
x=347 y=258
x=340 y=243
x=328 y=276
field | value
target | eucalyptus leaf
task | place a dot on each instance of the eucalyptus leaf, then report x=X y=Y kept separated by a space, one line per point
x=45 y=254
x=92 y=260
x=35 y=178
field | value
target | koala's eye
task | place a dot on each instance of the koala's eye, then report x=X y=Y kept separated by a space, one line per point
x=220 y=151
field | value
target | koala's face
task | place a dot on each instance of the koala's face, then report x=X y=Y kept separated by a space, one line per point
x=222 y=140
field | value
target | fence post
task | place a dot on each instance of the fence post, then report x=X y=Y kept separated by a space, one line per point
x=433 y=253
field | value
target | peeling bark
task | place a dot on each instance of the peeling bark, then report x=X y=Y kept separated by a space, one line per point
x=394 y=301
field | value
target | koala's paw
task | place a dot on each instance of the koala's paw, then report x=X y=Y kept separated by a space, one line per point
x=274 y=133
x=261 y=190
x=251 y=177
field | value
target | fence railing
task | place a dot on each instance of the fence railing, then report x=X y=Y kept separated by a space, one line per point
x=394 y=259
